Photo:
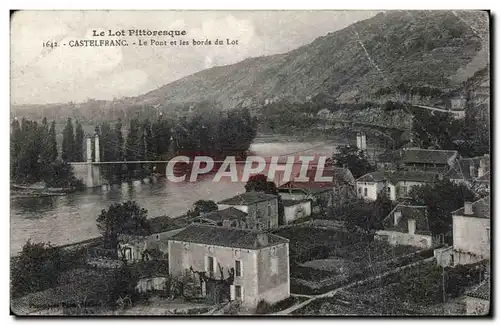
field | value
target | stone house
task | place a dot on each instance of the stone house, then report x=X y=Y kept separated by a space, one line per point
x=261 y=208
x=152 y=246
x=395 y=184
x=477 y=300
x=229 y=217
x=471 y=232
x=418 y=159
x=407 y=225
x=246 y=265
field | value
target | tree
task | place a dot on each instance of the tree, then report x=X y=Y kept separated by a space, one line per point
x=122 y=219
x=35 y=269
x=441 y=198
x=68 y=144
x=203 y=206
x=353 y=159
x=79 y=138
x=53 y=142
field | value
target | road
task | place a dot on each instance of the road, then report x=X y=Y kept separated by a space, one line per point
x=334 y=291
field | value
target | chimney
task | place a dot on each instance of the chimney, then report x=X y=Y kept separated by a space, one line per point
x=472 y=171
x=262 y=239
x=397 y=217
x=411 y=226
x=468 y=208
x=89 y=149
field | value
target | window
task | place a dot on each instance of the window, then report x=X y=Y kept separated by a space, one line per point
x=404 y=191
x=366 y=191
x=210 y=266
x=269 y=209
x=237 y=292
x=157 y=237
x=274 y=265
x=269 y=224
x=359 y=190
x=388 y=192
x=237 y=268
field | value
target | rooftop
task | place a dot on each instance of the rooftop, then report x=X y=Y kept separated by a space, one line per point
x=289 y=203
x=227 y=237
x=415 y=212
x=225 y=214
x=164 y=223
x=482 y=291
x=480 y=209
x=428 y=156
x=397 y=176
x=248 y=198
x=461 y=169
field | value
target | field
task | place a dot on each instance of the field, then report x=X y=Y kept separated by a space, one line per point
x=417 y=290
x=324 y=259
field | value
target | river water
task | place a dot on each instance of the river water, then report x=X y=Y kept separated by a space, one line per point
x=71 y=218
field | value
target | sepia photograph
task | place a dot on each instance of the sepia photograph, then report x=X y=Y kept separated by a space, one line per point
x=277 y=163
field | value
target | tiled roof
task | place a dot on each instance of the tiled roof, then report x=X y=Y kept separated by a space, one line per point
x=417 y=213
x=227 y=237
x=307 y=187
x=462 y=167
x=482 y=291
x=480 y=209
x=427 y=156
x=397 y=176
x=289 y=203
x=164 y=223
x=225 y=214
x=248 y=198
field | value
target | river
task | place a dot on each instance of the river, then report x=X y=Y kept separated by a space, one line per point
x=71 y=218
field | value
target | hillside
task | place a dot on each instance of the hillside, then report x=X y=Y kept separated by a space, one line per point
x=421 y=48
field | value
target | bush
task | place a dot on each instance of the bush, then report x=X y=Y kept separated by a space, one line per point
x=263 y=307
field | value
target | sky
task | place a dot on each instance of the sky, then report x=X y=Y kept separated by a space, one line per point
x=41 y=75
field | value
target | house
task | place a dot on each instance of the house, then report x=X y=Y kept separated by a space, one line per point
x=233 y=263
x=472 y=172
x=229 y=217
x=152 y=276
x=296 y=209
x=324 y=114
x=471 y=232
x=477 y=300
x=153 y=246
x=321 y=193
x=261 y=208
x=395 y=184
x=428 y=159
x=407 y=225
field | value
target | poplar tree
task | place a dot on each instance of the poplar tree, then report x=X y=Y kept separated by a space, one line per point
x=68 y=144
x=79 y=139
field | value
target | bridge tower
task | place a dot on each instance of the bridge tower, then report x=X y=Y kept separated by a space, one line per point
x=361 y=141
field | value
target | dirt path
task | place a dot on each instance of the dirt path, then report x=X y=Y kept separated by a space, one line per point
x=334 y=291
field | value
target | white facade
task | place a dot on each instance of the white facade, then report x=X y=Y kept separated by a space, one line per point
x=399 y=238
x=299 y=210
x=370 y=190
x=471 y=239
